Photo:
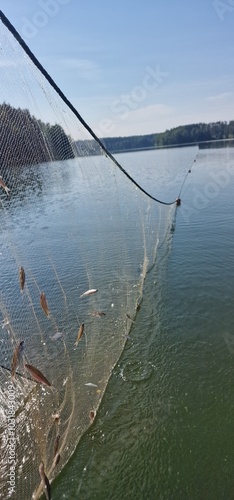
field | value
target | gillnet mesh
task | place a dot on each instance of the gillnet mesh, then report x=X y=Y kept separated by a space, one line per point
x=74 y=223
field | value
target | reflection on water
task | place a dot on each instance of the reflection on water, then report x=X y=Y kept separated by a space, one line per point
x=165 y=425
x=73 y=226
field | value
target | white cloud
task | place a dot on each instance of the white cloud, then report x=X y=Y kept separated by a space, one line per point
x=144 y=120
x=180 y=109
x=145 y=114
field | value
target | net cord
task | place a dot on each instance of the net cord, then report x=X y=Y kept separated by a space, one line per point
x=188 y=172
x=33 y=58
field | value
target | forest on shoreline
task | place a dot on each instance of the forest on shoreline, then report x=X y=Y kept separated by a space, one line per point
x=25 y=140
x=183 y=135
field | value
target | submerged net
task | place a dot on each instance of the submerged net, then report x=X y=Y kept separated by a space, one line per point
x=72 y=220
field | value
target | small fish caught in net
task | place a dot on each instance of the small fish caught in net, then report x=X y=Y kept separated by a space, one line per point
x=76 y=241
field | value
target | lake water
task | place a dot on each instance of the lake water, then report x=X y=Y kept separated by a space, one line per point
x=164 y=428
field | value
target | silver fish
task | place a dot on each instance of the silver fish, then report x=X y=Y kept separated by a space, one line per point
x=89 y=384
x=45 y=481
x=56 y=336
x=17 y=356
x=4 y=186
x=89 y=292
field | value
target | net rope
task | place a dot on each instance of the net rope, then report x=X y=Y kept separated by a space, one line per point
x=73 y=223
x=69 y=104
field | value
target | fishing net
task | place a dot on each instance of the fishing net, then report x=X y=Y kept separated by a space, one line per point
x=74 y=222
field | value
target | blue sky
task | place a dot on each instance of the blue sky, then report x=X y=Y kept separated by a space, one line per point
x=134 y=67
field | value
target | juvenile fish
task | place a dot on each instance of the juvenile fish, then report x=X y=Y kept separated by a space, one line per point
x=45 y=481
x=17 y=356
x=4 y=186
x=21 y=277
x=80 y=333
x=37 y=375
x=89 y=292
x=44 y=304
x=89 y=384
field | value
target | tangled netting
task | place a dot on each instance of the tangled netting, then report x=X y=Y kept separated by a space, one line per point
x=71 y=223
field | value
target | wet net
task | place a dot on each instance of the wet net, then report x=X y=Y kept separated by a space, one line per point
x=71 y=222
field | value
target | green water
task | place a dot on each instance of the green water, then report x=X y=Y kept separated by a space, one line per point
x=165 y=426
x=164 y=429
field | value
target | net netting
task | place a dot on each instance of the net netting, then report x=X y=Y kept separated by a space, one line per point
x=72 y=222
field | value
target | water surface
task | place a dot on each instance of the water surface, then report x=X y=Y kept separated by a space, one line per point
x=165 y=426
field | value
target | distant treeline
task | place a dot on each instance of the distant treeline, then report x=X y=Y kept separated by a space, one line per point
x=25 y=140
x=186 y=134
